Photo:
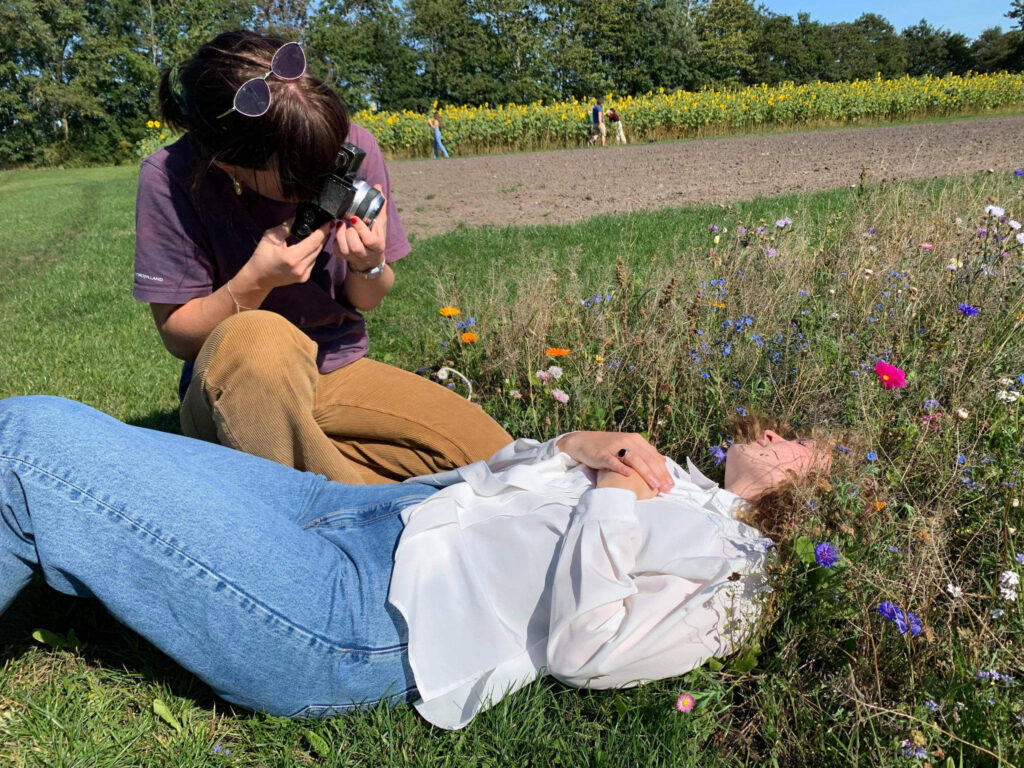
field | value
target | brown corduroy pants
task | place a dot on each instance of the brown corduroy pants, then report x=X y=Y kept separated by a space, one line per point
x=256 y=388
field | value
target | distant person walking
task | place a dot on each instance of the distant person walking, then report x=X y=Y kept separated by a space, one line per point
x=614 y=119
x=597 y=122
x=435 y=126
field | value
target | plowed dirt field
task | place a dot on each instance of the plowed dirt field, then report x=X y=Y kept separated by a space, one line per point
x=569 y=185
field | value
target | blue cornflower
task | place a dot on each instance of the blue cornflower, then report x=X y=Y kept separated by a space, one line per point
x=842 y=449
x=932 y=706
x=825 y=554
x=930 y=404
x=871 y=456
x=871 y=230
x=961 y=459
x=900 y=620
x=726 y=349
x=1018 y=172
x=909 y=749
x=718 y=454
x=904 y=621
x=1020 y=558
x=1020 y=379
x=915 y=623
x=967 y=310
x=741 y=411
x=888 y=610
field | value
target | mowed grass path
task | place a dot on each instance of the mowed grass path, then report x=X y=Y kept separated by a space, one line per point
x=845 y=283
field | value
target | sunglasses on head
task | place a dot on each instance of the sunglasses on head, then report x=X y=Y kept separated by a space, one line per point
x=252 y=98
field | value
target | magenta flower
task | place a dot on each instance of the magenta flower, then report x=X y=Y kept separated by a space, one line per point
x=685 y=703
x=890 y=376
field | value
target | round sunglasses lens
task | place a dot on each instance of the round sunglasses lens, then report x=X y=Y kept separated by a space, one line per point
x=289 y=62
x=253 y=98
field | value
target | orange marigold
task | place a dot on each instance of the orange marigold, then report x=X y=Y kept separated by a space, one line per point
x=556 y=352
x=468 y=337
x=449 y=311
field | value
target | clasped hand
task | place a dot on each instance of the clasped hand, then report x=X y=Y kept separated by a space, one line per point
x=641 y=470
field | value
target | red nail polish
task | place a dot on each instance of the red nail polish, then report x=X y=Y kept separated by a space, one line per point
x=354 y=220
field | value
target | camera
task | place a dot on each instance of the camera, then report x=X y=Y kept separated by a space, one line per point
x=342 y=197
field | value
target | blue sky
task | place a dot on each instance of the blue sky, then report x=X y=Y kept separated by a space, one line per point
x=964 y=16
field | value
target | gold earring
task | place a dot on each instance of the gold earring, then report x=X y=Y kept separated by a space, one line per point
x=236 y=185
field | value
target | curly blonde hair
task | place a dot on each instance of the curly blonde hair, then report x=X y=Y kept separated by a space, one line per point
x=776 y=511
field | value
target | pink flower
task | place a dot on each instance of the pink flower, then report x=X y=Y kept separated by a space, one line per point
x=890 y=376
x=560 y=396
x=926 y=246
x=685 y=703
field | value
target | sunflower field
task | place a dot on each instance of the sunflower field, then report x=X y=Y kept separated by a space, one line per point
x=667 y=115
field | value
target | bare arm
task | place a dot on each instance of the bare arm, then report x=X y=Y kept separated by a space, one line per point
x=185 y=327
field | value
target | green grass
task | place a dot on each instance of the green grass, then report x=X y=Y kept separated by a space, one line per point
x=832 y=684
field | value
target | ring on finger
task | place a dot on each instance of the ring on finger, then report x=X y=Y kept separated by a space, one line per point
x=622 y=453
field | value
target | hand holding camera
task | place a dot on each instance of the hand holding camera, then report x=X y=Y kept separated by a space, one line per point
x=360 y=245
x=343 y=196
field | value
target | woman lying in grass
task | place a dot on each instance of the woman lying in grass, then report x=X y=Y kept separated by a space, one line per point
x=590 y=556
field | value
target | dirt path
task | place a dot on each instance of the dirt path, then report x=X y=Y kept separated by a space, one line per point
x=569 y=185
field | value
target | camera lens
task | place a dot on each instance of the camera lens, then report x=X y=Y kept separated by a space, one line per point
x=366 y=202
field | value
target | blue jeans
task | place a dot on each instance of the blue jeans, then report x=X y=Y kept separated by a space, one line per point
x=438 y=144
x=268 y=583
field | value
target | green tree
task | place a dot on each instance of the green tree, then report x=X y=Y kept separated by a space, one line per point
x=286 y=18
x=959 y=59
x=727 y=31
x=995 y=51
x=1016 y=13
x=44 y=40
x=174 y=29
x=359 y=47
x=620 y=46
x=866 y=47
x=925 y=49
x=514 y=57
x=791 y=51
x=452 y=45
x=576 y=37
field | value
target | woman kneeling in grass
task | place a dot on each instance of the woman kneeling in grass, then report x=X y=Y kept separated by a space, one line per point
x=590 y=556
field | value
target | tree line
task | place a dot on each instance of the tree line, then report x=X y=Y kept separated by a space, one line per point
x=78 y=77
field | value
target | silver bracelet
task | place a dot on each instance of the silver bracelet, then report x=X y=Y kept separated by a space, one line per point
x=238 y=307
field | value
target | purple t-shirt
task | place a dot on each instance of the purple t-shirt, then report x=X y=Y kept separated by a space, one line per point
x=190 y=240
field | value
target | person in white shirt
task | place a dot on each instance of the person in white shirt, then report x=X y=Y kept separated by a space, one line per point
x=590 y=557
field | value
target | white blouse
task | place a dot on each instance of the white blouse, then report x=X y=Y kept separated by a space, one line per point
x=520 y=565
